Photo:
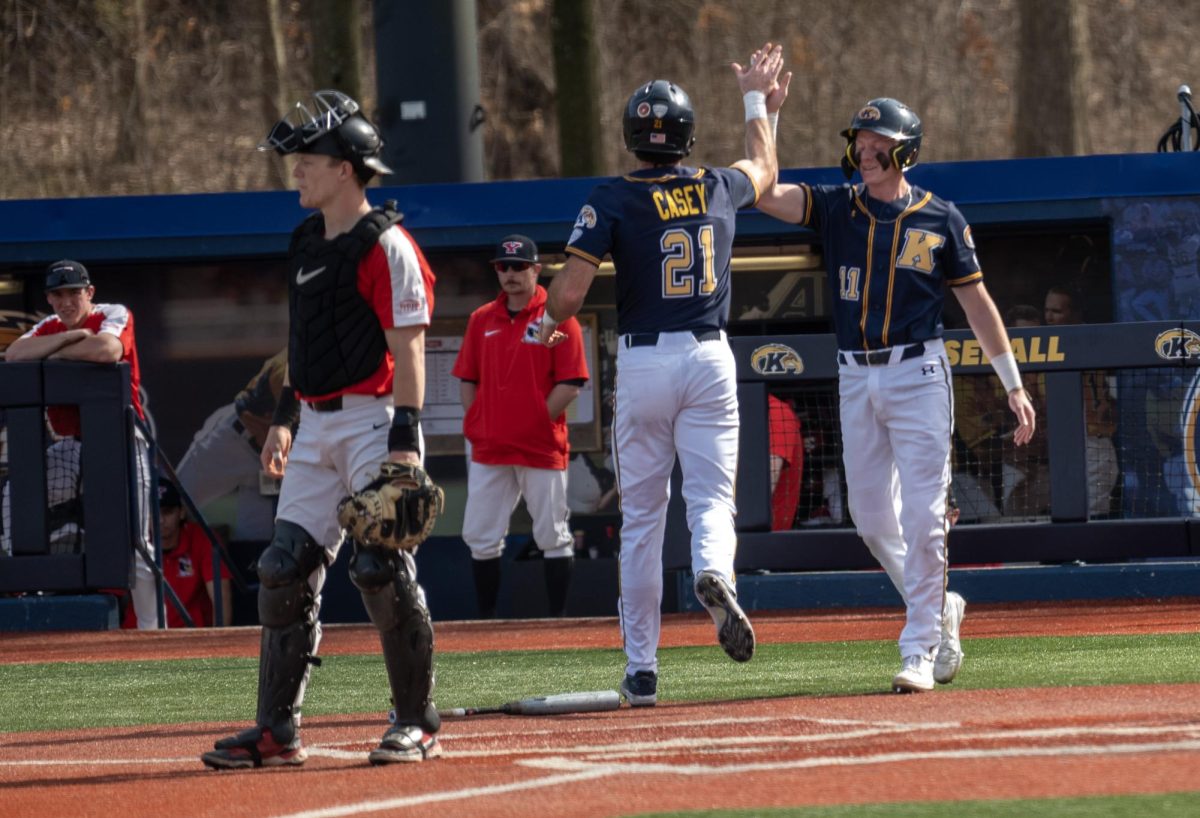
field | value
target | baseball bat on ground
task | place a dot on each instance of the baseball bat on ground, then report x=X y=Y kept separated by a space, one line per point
x=593 y=701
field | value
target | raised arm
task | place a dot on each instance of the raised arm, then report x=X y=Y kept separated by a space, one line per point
x=756 y=81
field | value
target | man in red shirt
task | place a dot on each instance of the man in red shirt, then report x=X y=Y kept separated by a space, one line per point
x=81 y=330
x=187 y=565
x=516 y=392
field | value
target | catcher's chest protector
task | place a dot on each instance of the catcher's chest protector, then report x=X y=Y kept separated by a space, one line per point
x=334 y=338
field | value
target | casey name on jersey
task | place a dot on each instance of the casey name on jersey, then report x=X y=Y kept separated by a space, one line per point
x=680 y=202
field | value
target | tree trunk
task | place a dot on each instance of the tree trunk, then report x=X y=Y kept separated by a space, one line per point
x=577 y=88
x=275 y=105
x=1053 y=75
x=337 y=46
x=133 y=74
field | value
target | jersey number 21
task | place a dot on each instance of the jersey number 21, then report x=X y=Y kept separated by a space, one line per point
x=679 y=258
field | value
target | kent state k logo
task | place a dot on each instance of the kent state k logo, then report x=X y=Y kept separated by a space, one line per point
x=776 y=359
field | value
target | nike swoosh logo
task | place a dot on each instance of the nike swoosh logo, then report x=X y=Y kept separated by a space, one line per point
x=490 y=332
x=302 y=277
x=380 y=425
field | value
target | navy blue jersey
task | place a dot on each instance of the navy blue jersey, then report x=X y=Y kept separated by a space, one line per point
x=670 y=233
x=889 y=263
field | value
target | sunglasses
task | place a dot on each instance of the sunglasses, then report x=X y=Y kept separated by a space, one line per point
x=511 y=267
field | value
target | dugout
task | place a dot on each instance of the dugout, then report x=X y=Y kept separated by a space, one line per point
x=202 y=274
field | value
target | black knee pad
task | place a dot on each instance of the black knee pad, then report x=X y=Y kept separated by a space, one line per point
x=288 y=613
x=394 y=603
x=284 y=595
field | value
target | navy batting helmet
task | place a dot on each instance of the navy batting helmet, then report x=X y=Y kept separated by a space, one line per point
x=890 y=118
x=659 y=122
x=329 y=123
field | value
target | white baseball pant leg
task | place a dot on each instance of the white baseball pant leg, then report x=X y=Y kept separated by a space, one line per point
x=680 y=395
x=896 y=424
x=492 y=494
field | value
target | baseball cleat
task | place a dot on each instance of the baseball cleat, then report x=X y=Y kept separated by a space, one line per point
x=949 y=655
x=405 y=745
x=915 y=676
x=640 y=689
x=733 y=628
x=255 y=747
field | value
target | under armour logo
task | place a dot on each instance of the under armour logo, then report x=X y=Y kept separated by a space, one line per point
x=928 y=369
x=511 y=247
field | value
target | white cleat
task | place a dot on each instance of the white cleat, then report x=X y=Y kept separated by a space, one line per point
x=949 y=652
x=915 y=676
x=734 y=630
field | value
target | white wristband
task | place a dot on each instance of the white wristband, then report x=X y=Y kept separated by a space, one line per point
x=548 y=322
x=773 y=118
x=1006 y=367
x=756 y=105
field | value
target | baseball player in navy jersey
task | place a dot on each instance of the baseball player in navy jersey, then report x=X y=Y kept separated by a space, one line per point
x=669 y=228
x=890 y=250
x=360 y=295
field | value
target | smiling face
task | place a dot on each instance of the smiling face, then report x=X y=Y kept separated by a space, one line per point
x=868 y=148
x=72 y=305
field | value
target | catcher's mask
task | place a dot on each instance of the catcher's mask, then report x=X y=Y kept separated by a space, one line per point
x=331 y=124
x=890 y=118
x=659 y=122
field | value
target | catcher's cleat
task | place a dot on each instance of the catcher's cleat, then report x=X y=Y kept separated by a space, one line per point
x=915 y=676
x=640 y=689
x=254 y=748
x=405 y=745
x=950 y=654
x=733 y=628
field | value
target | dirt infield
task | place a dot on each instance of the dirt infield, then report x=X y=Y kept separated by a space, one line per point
x=949 y=745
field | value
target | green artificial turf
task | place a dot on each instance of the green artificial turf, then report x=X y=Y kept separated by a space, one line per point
x=1173 y=805
x=53 y=696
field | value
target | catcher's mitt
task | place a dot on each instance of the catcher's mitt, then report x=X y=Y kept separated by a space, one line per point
x=396 y=510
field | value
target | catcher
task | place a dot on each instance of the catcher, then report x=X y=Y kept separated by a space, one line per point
x=360 y=295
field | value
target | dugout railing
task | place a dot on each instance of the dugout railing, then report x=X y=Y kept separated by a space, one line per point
x=102 y=514
x=1161 y=351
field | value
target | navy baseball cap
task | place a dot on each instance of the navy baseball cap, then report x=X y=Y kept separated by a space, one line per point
x=67 y=275
x=516 y=248
x=168 y=495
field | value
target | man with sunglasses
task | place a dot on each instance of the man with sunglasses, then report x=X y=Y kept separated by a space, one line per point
x=516 y=392
x=360 y=295
x=82 y=330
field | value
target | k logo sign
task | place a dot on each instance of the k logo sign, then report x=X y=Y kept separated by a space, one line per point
x=776 y=359
x=1177 y=344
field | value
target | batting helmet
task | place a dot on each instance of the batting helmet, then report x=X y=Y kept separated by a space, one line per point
x=659 y=122
x=331 y=124
x=890 y=118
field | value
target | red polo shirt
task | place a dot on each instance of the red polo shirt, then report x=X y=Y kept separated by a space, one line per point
x=507 y=424
x=788 y=444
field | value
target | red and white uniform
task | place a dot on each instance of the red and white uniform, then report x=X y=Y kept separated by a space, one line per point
x=516 y=448
x=188 y=569
x=114 y=319
x=337 y=453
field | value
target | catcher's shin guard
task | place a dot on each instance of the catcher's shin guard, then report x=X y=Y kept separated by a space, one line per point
x=397 y=609
x=287 y=609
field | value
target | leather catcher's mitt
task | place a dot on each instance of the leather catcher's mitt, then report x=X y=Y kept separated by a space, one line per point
x=396 y=510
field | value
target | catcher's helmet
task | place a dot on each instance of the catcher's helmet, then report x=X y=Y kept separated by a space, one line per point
x=329 y=123
x=659 y=122
x=890 y=118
